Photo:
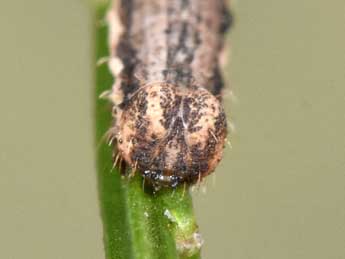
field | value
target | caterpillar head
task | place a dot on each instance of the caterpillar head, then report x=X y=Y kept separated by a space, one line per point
x=172 y=134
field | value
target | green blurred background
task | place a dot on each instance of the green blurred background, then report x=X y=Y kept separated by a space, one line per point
x=279 y=193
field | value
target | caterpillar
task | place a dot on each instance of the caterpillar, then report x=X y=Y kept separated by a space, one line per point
x=167 y=97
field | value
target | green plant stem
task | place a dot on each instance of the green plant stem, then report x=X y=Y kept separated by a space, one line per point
x=137 y=223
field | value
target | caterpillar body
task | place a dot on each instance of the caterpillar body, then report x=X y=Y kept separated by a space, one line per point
x=170 y=124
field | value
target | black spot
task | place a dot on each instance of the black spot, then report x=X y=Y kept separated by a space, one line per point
x=227 y=19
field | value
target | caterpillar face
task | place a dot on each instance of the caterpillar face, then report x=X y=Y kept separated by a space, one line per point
x=172 y=134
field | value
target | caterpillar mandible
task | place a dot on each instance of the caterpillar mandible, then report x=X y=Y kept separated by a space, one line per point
x=170 y=124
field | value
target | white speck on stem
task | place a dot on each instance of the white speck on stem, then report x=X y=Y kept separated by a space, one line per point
x=168 y=214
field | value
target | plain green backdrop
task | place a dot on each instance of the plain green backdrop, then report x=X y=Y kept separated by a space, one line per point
x=278 y=194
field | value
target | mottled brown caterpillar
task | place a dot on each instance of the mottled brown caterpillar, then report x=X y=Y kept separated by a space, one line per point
x=170 y=124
